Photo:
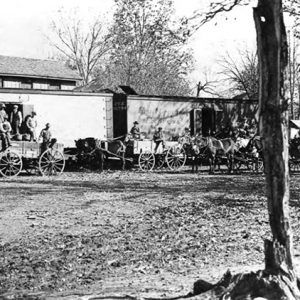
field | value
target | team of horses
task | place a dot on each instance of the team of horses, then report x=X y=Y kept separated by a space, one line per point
x=233 y=151
x=198 y=148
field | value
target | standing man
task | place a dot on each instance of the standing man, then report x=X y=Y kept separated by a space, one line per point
x=135 y=131
x=15 y=120
x=45 y=136
x=158 y=138
x=31 y=125
x=5 y=130
x=3 y=114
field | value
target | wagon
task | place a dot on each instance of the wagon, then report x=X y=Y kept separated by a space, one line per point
x=172 y=155
x=29 y=156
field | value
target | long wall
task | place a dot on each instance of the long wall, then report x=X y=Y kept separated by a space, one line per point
x=173 y=114
x=72 y=115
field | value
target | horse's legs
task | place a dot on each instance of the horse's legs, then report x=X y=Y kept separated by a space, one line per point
x=101 y=161
x=123 y=160
x=212 y=161
x=193 y=164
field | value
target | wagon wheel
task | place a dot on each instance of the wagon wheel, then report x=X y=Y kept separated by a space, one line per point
x=10 y=164
x=176 y=158
x=260 y=165
x=294 y=166
x=51 y=162
x=146 y=161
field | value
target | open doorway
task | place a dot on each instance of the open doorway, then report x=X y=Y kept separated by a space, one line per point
x=208 y=121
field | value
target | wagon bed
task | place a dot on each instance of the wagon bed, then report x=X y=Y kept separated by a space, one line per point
x=31 y=157
x=172 y=154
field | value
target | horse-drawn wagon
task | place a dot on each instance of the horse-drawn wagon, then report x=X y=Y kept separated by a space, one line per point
x=92 y=153
x=32 y=157
x=148 y=156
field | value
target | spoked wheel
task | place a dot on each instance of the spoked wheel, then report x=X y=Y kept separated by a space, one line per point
x=146 y=161
x=294 y=166
x=258 y=166
x=176 y=158
x=51 y=162
x=10 y=164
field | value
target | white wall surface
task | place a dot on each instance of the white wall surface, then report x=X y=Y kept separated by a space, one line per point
x=71 y=116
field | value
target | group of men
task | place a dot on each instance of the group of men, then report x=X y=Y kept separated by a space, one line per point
x=158 y=137
x=13 y=126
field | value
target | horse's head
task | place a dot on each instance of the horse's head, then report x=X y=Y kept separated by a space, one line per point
x=128 y=137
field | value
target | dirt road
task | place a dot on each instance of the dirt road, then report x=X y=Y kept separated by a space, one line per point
x=130 y=232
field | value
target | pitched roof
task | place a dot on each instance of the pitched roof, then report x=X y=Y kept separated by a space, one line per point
x=29 y=67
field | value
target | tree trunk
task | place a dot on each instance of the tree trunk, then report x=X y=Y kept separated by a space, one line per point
x=273 y=59
x=278 y=280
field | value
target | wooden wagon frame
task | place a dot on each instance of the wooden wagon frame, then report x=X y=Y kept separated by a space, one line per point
x=32 y=157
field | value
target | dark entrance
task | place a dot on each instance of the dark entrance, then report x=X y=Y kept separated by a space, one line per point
x=208 y=121
x=119 y=114
x=196 y=121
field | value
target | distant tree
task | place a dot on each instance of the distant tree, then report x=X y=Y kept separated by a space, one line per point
x=82 y=47
x=241 y=73
x=149 y=49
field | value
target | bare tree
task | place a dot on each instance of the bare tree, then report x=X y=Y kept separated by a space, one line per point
x=241 y=72
x=82 y=47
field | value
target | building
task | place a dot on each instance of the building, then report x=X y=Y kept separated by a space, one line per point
x=173 y=114
x=72 y=115
x=37 y=74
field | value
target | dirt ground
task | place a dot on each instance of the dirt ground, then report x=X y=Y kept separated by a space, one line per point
x=130 y=233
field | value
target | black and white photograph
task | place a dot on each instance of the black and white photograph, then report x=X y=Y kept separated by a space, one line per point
x=150 y=150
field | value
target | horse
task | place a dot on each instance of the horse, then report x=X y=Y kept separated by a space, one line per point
x=217 y=148
x=88 y=154
x=92 y=153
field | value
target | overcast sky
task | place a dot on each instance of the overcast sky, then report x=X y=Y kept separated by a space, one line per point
x=24 y=25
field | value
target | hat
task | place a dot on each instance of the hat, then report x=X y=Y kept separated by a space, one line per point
x=2 y=105
x=136 y=122
x=16 y=106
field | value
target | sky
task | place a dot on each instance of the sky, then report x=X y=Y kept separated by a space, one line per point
x=24 y=27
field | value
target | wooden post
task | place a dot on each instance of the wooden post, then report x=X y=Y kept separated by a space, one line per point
x=273 y=59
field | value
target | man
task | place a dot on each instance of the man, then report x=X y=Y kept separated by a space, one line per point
x=3 y=114
x=45 y=136
x=135 y=131
x=5 y=130
x=31 y=125
x=15 y=120
x=187 y=135
x=158 y=138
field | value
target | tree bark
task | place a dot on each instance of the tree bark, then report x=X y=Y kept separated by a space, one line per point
x=273 y=59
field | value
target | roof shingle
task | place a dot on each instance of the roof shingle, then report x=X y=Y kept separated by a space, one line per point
x=29 y=67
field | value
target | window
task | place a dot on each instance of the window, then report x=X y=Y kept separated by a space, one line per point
x=11 y=84
x=67 y=87
x=40 y=86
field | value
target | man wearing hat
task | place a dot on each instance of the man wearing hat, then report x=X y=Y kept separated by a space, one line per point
x=158 y=138
x=5 y=130
x=15 y=120
x=135 y=131
x=3 y=114
x=31 y=125
x=45 y=136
